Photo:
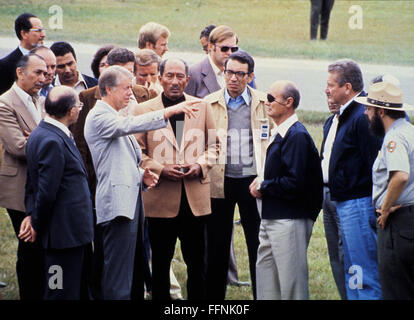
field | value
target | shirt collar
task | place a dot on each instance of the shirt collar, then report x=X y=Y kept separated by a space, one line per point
x=43 y=92
x=58 y=124
x=80 y=80
x=243 y=98
x=396 y=123
x=23 y=50
x=216 y=70
x=285 y=125
x=344 y=106
x=23 y=94
x=107 y=106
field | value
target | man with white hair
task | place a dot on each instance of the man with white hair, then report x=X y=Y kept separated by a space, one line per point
x=116 y=156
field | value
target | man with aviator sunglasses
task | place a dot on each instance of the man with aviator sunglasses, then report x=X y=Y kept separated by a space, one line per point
x=207 y=76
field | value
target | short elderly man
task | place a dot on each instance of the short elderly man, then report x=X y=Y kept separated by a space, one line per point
x=58 y=199
x=182 y=155
x=393 y=190
x=50 y=60
x=244 y=131
x=291 y=193
x=116 y=157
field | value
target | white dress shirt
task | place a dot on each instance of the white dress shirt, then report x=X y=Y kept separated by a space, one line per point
x=327 y=149
x=79 y=86
x=330 y=138
x=218 y=73
x=29 y=104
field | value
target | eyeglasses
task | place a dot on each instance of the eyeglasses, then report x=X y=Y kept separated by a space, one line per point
x=227 y=48
x=38 y=30
x=79 y=106
x=239 y=74
x=271 y=99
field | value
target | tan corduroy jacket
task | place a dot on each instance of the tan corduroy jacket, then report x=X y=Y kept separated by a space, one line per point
x=259 y=120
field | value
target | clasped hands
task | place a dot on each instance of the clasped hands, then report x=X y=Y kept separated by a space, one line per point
x=176 y=172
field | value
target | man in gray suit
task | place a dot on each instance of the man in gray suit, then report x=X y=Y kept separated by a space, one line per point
x=207 y=76
x=116 y=157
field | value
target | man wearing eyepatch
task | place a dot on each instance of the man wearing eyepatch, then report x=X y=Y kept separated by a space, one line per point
x=244 y=129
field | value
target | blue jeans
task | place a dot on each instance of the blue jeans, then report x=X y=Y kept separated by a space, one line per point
x=358 y=228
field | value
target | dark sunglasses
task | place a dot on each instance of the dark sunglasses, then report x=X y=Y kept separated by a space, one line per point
x=227 y=48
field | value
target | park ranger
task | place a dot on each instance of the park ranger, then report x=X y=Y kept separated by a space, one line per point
x=393 y=189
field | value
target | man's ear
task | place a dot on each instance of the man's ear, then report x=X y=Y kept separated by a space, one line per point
x=23 y=34
x=19 y=72
x=289 y=102
x=210 y=47
x=149 y=45
x=348 y=86
x=250 y=77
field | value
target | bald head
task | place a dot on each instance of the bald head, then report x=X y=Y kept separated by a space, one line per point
x=287 y=89
x=60 y=101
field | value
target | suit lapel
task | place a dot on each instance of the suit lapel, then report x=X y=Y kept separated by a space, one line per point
x=21 y=108
x=209 y=78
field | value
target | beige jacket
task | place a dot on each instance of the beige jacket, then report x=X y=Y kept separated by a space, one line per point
x=15 y=118
x=259 y=119
x=160 y=147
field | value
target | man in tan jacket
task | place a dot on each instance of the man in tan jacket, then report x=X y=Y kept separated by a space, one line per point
x=182 y=155
x=244 y=130
x=20 y=113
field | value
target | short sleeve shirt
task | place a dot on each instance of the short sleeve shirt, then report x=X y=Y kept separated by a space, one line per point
x=397 y=154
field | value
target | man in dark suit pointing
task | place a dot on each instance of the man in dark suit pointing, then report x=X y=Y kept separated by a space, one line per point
x=58 y=198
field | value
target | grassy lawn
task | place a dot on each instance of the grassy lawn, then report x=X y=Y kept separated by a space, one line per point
x=265 y=27
x=322 y=286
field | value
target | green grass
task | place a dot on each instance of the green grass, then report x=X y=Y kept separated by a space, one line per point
x=321 y=283
x=8 y=250
x=265 y=27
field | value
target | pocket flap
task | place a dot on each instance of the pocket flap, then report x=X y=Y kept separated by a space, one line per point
x=407 y=234
x=8 y=171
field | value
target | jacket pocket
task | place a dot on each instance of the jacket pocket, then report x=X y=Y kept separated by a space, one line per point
x=8 y=171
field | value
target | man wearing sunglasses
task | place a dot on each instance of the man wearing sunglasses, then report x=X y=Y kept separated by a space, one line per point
x=291 y=192
x=30 y=32
x=244 y=129
x=207 y=76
